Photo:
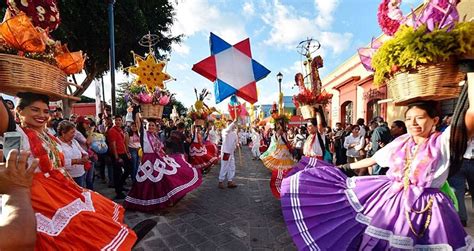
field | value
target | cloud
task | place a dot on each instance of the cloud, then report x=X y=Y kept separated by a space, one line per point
x=287 y=28
x=325 y=9
x=248 y=9
x=180 y=49
x=226 y=24
x=337 y=42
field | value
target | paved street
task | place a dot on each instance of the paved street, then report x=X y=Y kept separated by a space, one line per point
x=245 y=218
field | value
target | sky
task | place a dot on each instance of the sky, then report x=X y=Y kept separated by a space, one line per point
x=275 y=28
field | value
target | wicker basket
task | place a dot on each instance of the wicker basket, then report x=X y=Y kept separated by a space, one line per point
x=438 y=81
x=308 y=111
x=151 y=111
x=199 y=122
x=20 y=74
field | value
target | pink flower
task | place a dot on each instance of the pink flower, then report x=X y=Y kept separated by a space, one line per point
x=164 y=100
x=145 y=98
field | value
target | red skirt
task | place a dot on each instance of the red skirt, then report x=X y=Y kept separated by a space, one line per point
x=70 y=217
x=203 y=155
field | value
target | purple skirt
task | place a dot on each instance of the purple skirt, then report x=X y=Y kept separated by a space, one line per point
x=325 y=210
x=161 y=181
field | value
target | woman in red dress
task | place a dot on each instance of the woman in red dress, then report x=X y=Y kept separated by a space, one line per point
x=162 y=179
x=202 y=155
x=67 y=215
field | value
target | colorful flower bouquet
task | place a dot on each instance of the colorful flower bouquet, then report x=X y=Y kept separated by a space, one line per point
x=308 y=98
x=199 y=112
x=139 y=95
x=25 y=41
x=278 y=118
x=151 y=103
x=420 y=60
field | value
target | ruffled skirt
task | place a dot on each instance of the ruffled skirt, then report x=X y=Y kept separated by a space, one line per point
x=70 y=217
x=203 y=155
x=325 y=210
x=280 y=159
x=161 y=181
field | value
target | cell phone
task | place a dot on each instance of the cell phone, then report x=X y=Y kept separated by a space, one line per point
x=11 y=141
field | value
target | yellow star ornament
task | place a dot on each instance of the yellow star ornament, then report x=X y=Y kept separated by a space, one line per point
x=150 y=72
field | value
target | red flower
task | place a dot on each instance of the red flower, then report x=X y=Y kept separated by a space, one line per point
x=388 y=25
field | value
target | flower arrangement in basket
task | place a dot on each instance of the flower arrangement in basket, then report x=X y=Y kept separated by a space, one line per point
x=420 y=61
x=279 y=118
x=308 y=98
x=148 y=89
x=152 y=103
x=200 y=111
x=30 y=60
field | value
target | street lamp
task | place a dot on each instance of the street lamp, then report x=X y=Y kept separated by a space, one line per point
x=280 y=95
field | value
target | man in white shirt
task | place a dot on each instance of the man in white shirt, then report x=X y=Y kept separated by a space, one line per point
x=256 y=138
x=229 y=144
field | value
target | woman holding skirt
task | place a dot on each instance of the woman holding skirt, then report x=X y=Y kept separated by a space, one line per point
x=404 y=210
x=161 y=180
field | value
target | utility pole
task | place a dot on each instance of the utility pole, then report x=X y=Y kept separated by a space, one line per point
x=112 y=52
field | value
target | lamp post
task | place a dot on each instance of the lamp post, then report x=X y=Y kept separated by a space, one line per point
x=280 y=95
x=112 y=52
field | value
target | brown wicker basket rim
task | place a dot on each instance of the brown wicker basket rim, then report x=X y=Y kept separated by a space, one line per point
x=21 y=74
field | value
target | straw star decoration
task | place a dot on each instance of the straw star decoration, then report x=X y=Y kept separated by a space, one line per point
x=150 y=72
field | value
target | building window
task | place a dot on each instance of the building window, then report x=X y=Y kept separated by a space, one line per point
x=346 y=112
x=374 y=109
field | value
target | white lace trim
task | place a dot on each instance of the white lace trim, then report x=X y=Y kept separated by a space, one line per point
x=353 y=200
x=298 y=214
x=350 y=183
x=396 y=241
x=117 y=241
x=195 y=151
x=62 y=217
x=165 y=197
x=363 y=219
x=166 y=167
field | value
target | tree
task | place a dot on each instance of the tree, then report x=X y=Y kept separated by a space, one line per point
x=85 y=99
x=121 y=103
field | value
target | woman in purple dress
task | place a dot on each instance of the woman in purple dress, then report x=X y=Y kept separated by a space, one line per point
x=404 y=210
x=161 y=180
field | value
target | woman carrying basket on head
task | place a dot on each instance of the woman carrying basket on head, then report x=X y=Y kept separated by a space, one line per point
x=405 y=209
x=64 y=211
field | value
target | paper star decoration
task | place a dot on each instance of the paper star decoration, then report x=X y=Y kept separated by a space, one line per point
x=232 y=69
x=150 y=72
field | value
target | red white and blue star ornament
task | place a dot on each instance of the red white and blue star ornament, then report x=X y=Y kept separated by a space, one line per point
x=232 y=69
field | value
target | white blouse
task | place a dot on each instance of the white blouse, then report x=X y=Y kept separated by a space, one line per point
x=442 y=170
x=73 y=151
x=359 y=142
